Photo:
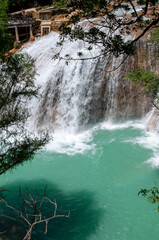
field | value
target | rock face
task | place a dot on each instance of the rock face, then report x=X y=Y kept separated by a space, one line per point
x=148 y=57
x=86 y=92
x=129 y=100
x=153 y=121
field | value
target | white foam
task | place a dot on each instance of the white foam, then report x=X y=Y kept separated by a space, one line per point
x=78 y=143
x=154 y=161
x=149 y=140
x=111 y=126
x=67 y=143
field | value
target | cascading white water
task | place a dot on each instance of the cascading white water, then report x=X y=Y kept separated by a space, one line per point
x=87 y=92
x=72 y=94
x=82 y=92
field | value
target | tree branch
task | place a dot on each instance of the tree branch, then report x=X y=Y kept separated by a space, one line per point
x=36 y=217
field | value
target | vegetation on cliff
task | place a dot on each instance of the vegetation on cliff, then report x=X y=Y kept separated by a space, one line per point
x=149 y=80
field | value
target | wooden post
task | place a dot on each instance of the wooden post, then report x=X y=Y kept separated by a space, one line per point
x=31 y=31
x=41 y=31
x=16 y=34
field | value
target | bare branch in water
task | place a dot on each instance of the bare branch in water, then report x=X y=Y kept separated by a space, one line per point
x=32 y=211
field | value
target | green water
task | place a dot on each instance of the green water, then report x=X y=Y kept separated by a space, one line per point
x=99 y=187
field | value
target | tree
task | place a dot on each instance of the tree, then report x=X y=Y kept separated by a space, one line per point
x=16 y=87
x=17 y=75
x=111 y=31
x=4 y=34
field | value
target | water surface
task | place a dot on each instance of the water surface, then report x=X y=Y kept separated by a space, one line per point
x=95 y=175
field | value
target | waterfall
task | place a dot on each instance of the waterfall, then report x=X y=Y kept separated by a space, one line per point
x=82 y=93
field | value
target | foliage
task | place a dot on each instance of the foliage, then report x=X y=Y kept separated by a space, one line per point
x=152 y=195
x=17 y=75
x=38 y=8
x=149 y=80
x=4 y=34
x=60 y=3
x=17 y=45
x=111 y=32
x=154 y=37
x=16 y=87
